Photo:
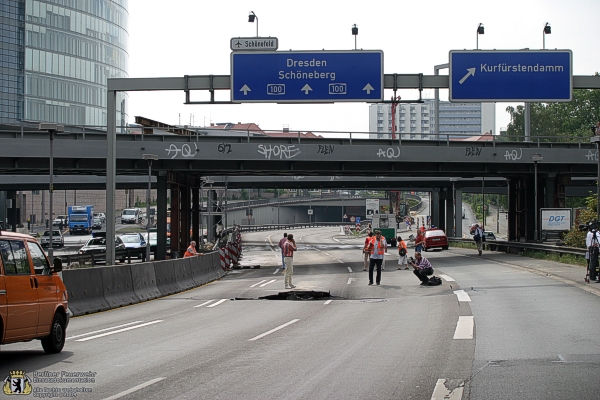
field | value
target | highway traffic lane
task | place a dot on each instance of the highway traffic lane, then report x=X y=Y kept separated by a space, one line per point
x=536 y=336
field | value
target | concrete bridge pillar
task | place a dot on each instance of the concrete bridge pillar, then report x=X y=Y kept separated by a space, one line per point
x=161 y=211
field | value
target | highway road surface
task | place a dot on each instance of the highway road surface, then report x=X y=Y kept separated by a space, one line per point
x=499 y=327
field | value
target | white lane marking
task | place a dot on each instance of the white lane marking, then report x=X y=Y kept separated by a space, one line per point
x=447 y=278
x=269 y=238
x=103 y=330
x=327 y=302
x=265 y=284
x=350 y=280
x=349 y=269
x=274 y=272
x=464 y=327
x=329 y=254
x=441 y=392
x=273 y=330
x=462 y=295
x=119 y=331
x=217 y=303
x=203 y=304
x=264 y=280
x=134 y=389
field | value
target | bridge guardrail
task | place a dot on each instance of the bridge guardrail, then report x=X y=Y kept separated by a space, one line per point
x=510 y=247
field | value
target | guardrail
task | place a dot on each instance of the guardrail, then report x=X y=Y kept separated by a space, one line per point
x=271 y=227
x=515 y=247
x=126 y=254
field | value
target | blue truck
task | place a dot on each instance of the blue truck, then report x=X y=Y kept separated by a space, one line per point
x=80 y=219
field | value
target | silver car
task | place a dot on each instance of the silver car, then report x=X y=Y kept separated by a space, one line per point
x=57 y=238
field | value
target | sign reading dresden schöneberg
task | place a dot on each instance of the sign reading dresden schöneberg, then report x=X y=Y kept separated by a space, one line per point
x=307 y=76
x=507 y=75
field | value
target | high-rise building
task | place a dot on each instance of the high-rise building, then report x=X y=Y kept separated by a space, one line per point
x=56 y=57
x=417 y=121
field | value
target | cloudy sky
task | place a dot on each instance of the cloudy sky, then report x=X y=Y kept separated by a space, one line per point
x=187 y=37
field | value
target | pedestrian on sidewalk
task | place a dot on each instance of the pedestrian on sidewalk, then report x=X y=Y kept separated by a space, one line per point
x=402 y=254
x=281 y=243
x=367 y=251
x=288 y=249
x=377 y=251
x=478 y=237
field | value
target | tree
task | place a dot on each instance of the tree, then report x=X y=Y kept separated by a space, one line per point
x=575 y=237
x=549 y=120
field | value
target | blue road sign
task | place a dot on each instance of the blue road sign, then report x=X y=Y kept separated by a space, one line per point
x=519 y=75
x=307 y=76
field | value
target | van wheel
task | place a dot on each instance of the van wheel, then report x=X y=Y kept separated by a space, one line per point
x=445 y=248
x=55 y=341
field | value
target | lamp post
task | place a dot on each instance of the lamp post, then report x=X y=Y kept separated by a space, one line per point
x=149 y=158
x=547 y=30
x=52 y=128
x=355 y=33
x=480 y=31
x=536 y=158
x=454 y=180
x=251 y=18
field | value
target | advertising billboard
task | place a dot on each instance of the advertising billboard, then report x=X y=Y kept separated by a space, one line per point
x=556 y=219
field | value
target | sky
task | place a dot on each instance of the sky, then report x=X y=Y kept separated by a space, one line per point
x=186 y=37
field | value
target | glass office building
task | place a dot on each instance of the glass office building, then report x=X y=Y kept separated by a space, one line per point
x=56 y=57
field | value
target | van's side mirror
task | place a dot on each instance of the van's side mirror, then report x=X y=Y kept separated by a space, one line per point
x=57 y=265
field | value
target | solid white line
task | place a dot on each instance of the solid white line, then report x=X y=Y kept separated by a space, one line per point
x=265 y=284
x=273 y=330
x=327 y=302
x=217 y=303
x=441 y=392
x=462 y=295
x=274 y=272
x=349 y=269
x=350 y=280
x=203 y=304
x=134 y=389
x=264 y=280
x=447 y=278
x=103 y=330
x=464 y=327
x=119 y=331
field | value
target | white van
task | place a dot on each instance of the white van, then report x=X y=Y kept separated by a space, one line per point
x=131 y=216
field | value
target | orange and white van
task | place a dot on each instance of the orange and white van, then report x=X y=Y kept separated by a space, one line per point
x=33 y=297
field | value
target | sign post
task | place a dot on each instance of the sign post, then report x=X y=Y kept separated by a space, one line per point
x=511 y=75
x=307 y=76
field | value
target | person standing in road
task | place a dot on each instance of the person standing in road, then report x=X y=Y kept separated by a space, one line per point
x=367 y=251
x=281 y=243
x=478 y=237
x=422 y=268
x=419 y=242
x=377 y=251
x=402 y=254
x=288 y=249
x=191 y=250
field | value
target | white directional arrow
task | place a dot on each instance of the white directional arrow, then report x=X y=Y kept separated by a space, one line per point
x=464 y=78
x=306 y=89
x=368 y=88
x=245 y=89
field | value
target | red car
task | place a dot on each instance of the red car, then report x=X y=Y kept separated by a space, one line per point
x=435 y=238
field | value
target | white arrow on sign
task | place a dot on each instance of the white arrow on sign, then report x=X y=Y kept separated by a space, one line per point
x=245 y=89
x=306 y=89
x=368 y=88
x=464 y=78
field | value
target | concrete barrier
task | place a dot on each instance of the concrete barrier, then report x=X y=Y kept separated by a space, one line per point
x=86 y=294
x=165 y=277
x=118 y=286
x=183 y=273
x=144 y=281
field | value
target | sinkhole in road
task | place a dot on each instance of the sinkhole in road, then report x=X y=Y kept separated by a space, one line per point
x=297 y=295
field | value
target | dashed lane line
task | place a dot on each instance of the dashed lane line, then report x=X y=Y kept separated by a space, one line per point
x=134 y=389
x=203 y=304
x=263 y=281
x=119 y=331
x=447 y=278
x=464 y=327
x=217 y=303
x=103 y=330
x=268 y=283
x=273 y=330
x=462 y=295
x=441 y=391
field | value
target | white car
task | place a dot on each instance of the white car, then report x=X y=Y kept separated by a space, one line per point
x=102 y=216
x=57 y=238
x=58 y=220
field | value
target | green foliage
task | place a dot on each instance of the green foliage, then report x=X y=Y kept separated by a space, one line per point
x=244 y=194
x=576 y=238
x=549 y=120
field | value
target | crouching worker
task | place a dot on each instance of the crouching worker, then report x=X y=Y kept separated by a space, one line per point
x=423 y=268
x=191 y=250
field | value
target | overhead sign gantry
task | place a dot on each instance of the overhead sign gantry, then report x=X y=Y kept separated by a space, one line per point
x=307 y=76
x=515 y=75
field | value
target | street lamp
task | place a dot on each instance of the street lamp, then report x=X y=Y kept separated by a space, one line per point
x=547 y=31
x=355 y=33
x=454 y=180
x=52 y=128
x=536 y=158
x=480 y=31
x=149 y=158
x=251 y=18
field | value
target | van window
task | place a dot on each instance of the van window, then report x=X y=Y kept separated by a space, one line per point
x=14 y=257
x=40 y=263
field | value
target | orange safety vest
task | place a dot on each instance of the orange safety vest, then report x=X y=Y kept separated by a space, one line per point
x=380 y=247
x=189 y=253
